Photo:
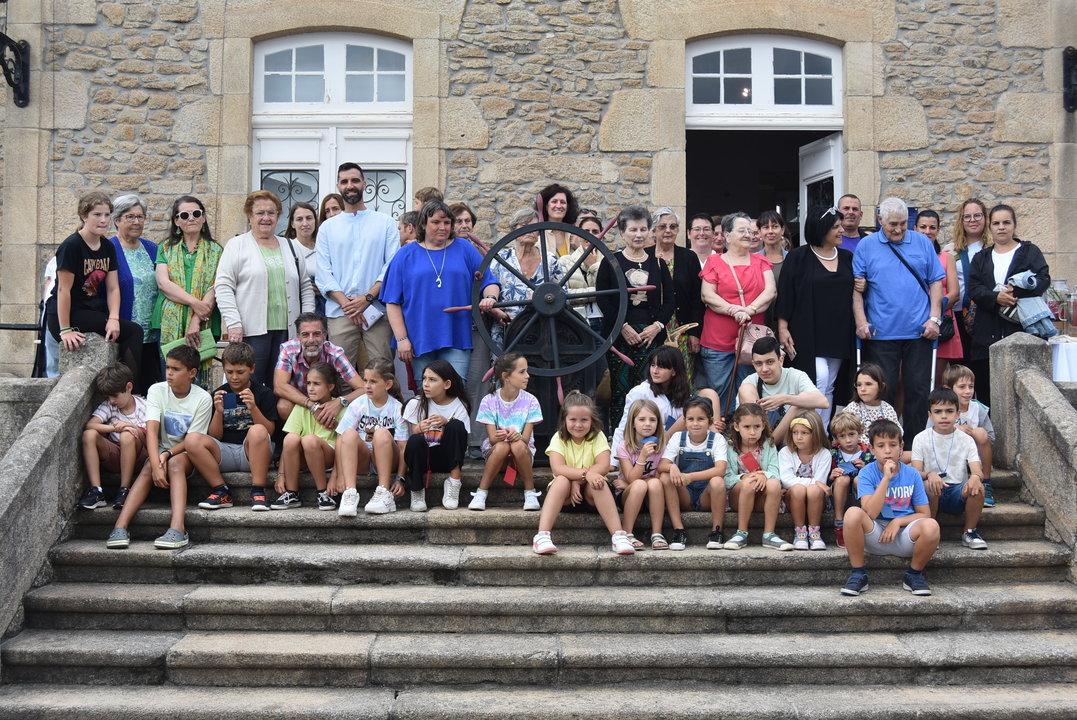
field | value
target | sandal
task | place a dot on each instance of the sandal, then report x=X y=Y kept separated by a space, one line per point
x=637 y=544
x=658 y=542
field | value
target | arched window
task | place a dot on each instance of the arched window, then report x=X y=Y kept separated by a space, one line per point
x=321 y=99
x=751 y=81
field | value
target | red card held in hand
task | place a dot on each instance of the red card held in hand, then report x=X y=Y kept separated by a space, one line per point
x=749 y=462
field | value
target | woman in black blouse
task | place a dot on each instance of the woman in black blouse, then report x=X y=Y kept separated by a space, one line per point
x=815 y=306
x=684 y=267
x=1005 y=256
x=644 y=325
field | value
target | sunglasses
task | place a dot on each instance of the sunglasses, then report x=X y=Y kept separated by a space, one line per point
x=188 y=215
x=831 y=211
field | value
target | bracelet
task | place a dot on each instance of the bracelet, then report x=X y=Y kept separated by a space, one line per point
x=68 y=329
x=114 y=318
x=403 y=339
x=170 y=456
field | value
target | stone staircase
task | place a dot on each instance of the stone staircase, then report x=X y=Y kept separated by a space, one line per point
x=302 y=614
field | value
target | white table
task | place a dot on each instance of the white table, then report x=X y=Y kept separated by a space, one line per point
x=1064 y=361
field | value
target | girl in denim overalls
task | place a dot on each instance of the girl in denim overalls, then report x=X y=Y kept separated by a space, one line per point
x=692 y=472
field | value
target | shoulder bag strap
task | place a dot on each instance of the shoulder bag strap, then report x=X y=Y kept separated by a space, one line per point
x=919 y=280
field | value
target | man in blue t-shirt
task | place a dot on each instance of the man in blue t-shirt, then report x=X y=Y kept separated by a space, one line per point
x=898 y=307
x=894 y=517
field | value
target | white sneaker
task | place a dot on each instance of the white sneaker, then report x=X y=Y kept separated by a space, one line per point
x=450 y=494
x=621 y=544
x=543 y=544
x=531 y=500
x=349 y=503
x=478 y=500
x=383 y=502
x=816 y=538
x=418 y=500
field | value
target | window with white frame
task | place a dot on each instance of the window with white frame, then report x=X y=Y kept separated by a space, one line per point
x=754 y=81
x=321 y=99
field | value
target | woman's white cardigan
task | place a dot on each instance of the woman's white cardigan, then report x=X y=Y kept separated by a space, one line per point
x=242 y=285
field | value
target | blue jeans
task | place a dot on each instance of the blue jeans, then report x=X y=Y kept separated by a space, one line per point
x=719 y=367
x=459 y=359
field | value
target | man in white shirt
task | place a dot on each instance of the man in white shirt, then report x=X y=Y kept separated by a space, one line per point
x=778 y=390
x=354 y=249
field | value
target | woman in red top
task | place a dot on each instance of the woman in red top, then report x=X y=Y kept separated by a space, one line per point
x=726 y=310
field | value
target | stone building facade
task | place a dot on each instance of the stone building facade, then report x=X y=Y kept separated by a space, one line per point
x=938 y=100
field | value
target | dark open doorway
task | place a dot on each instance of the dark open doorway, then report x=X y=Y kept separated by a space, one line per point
x=746 y=170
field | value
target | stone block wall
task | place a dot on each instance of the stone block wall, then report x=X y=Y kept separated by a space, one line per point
x=955 y=127
x=544 y=91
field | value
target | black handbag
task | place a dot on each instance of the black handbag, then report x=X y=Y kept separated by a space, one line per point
x=946 y=327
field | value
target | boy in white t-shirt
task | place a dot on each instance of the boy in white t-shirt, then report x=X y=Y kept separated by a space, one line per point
x=974 y=420
x=115 y=435
x=778 y=390
x=949 y=464
x=175 y=408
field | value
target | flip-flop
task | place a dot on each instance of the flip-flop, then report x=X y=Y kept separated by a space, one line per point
x=637 y=544
x=658 y=542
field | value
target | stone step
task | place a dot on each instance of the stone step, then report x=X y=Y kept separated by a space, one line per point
x=223 y=658
x=1017 y=561
x=414 y=609
x=494 y=526
x=641 y=701
x=1006 y=484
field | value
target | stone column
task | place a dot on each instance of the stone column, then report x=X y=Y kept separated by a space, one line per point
x=1018 y=352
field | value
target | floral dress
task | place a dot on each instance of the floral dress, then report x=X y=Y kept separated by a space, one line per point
x=514 y=289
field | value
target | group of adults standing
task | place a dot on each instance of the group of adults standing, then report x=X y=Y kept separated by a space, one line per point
x=823 y=299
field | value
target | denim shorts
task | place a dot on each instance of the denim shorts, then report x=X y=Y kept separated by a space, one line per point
x=950 y=500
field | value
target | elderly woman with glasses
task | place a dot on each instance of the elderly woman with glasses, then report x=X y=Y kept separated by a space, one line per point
x=262 y=285
x=135 y=259
x=525 y=257
x=814 y=306
x=684 y=268
x=647 y=313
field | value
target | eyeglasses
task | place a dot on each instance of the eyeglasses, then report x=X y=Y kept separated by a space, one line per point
x=701 y=228
x=133 y=218
x=663 y=227
x=975 y=216
x=831 y=211
x=259 y=213
x=188 y=215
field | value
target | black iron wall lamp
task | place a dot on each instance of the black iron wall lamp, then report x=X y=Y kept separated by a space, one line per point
x=15 y=59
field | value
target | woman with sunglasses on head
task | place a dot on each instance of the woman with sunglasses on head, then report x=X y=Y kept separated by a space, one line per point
x=186 y=270
x=815 y=306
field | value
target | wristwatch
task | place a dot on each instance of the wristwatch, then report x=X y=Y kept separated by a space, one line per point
x=369 y=298
x=344 y=401
x=937 y=321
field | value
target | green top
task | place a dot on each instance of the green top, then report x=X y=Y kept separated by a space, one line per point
x=277 y=307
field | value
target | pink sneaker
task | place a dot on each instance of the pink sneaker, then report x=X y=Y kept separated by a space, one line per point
x=542 y=544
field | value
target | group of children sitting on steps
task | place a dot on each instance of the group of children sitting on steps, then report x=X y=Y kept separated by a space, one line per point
x=668 y=451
